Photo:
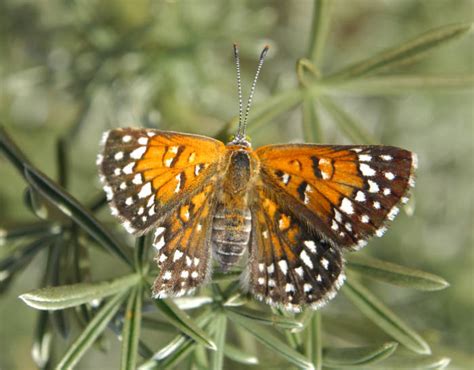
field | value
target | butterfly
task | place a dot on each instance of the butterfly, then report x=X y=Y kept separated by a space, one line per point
x=287 y=211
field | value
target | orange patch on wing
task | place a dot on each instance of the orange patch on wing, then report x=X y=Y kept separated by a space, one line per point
x=269 y=207
x=326 y=167
x=284 y=222
x=346 y=172
x=184 y=213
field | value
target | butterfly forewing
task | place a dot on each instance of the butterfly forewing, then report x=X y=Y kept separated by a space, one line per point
x=147 y=173
x=347 y=193
x=291 y=265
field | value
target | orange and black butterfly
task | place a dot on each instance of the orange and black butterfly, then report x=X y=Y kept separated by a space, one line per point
x=287 y=211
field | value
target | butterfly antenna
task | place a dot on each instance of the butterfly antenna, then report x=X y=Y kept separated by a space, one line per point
x=239 y=88
x=252 y=90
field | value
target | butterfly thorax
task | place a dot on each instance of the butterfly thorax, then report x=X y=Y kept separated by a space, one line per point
x=232 y=221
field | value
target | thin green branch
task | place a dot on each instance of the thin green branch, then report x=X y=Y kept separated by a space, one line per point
x=319 y=29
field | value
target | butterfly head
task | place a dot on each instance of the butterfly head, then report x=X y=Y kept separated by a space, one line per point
x=235 y=140
x=240 y=138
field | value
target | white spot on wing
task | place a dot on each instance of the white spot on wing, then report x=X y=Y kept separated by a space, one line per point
x=365 y=158
x=361 y=243
x=325 y=263
x=386 y=157
x=177 y=255
x=373 y=187
x=143 y=141
x=387 y=191
x=364 y=219
x=366 y=170
x=311 y=246
x=360 y=196
x=285 y=178
x=160 y=243
x=108 y=192
x=346 y=206
x=145 y=190
x=99 y=159
x=129 y=201
x=151 y=201
x=283 y=266
x=128 y=169
x=167 y=275
x=178 y=184
x=168 y=162
x=377 y=205
x=334 y=225
x=306 y=259
x=127 y=138
x=138 y=153
x=381 y=231
x=299 y=271
x=389 y=176
x=174 y=149
x=393 y=213
x=137 y=180
x=337 y=216
x=414 y=160
x=128 y=226
x=197 y=169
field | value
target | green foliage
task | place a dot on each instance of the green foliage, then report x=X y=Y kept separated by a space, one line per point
x=220 y=326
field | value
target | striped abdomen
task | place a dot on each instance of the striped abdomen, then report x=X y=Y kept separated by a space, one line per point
x=230 y=235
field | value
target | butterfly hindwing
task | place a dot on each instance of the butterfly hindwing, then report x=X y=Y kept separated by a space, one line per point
x=347 y=193
x=291 y=266
x=147 y=173
x=183 y=246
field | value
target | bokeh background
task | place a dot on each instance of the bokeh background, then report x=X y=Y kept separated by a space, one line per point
x=73 y=69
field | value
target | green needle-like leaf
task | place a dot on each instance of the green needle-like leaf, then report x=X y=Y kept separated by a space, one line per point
x=12 y=152
x=177 y=349
x=220 y=328
x=403 y=84
x=396 y=274
x=405 y=53
x=183 y=322
x=64 y=296
x=264 y=318
x=358 y=356
x=73 y=209
x=91 y=332
x=313 y=344
x=237 y=355
x=346 y=123
x=311 y=125
x=131 y=329
x=383 y=317
x=403 y=362
x=41 y=350
x=319 y=29
x=268 y=339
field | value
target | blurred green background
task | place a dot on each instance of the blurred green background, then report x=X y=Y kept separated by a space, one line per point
x=76 y=68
